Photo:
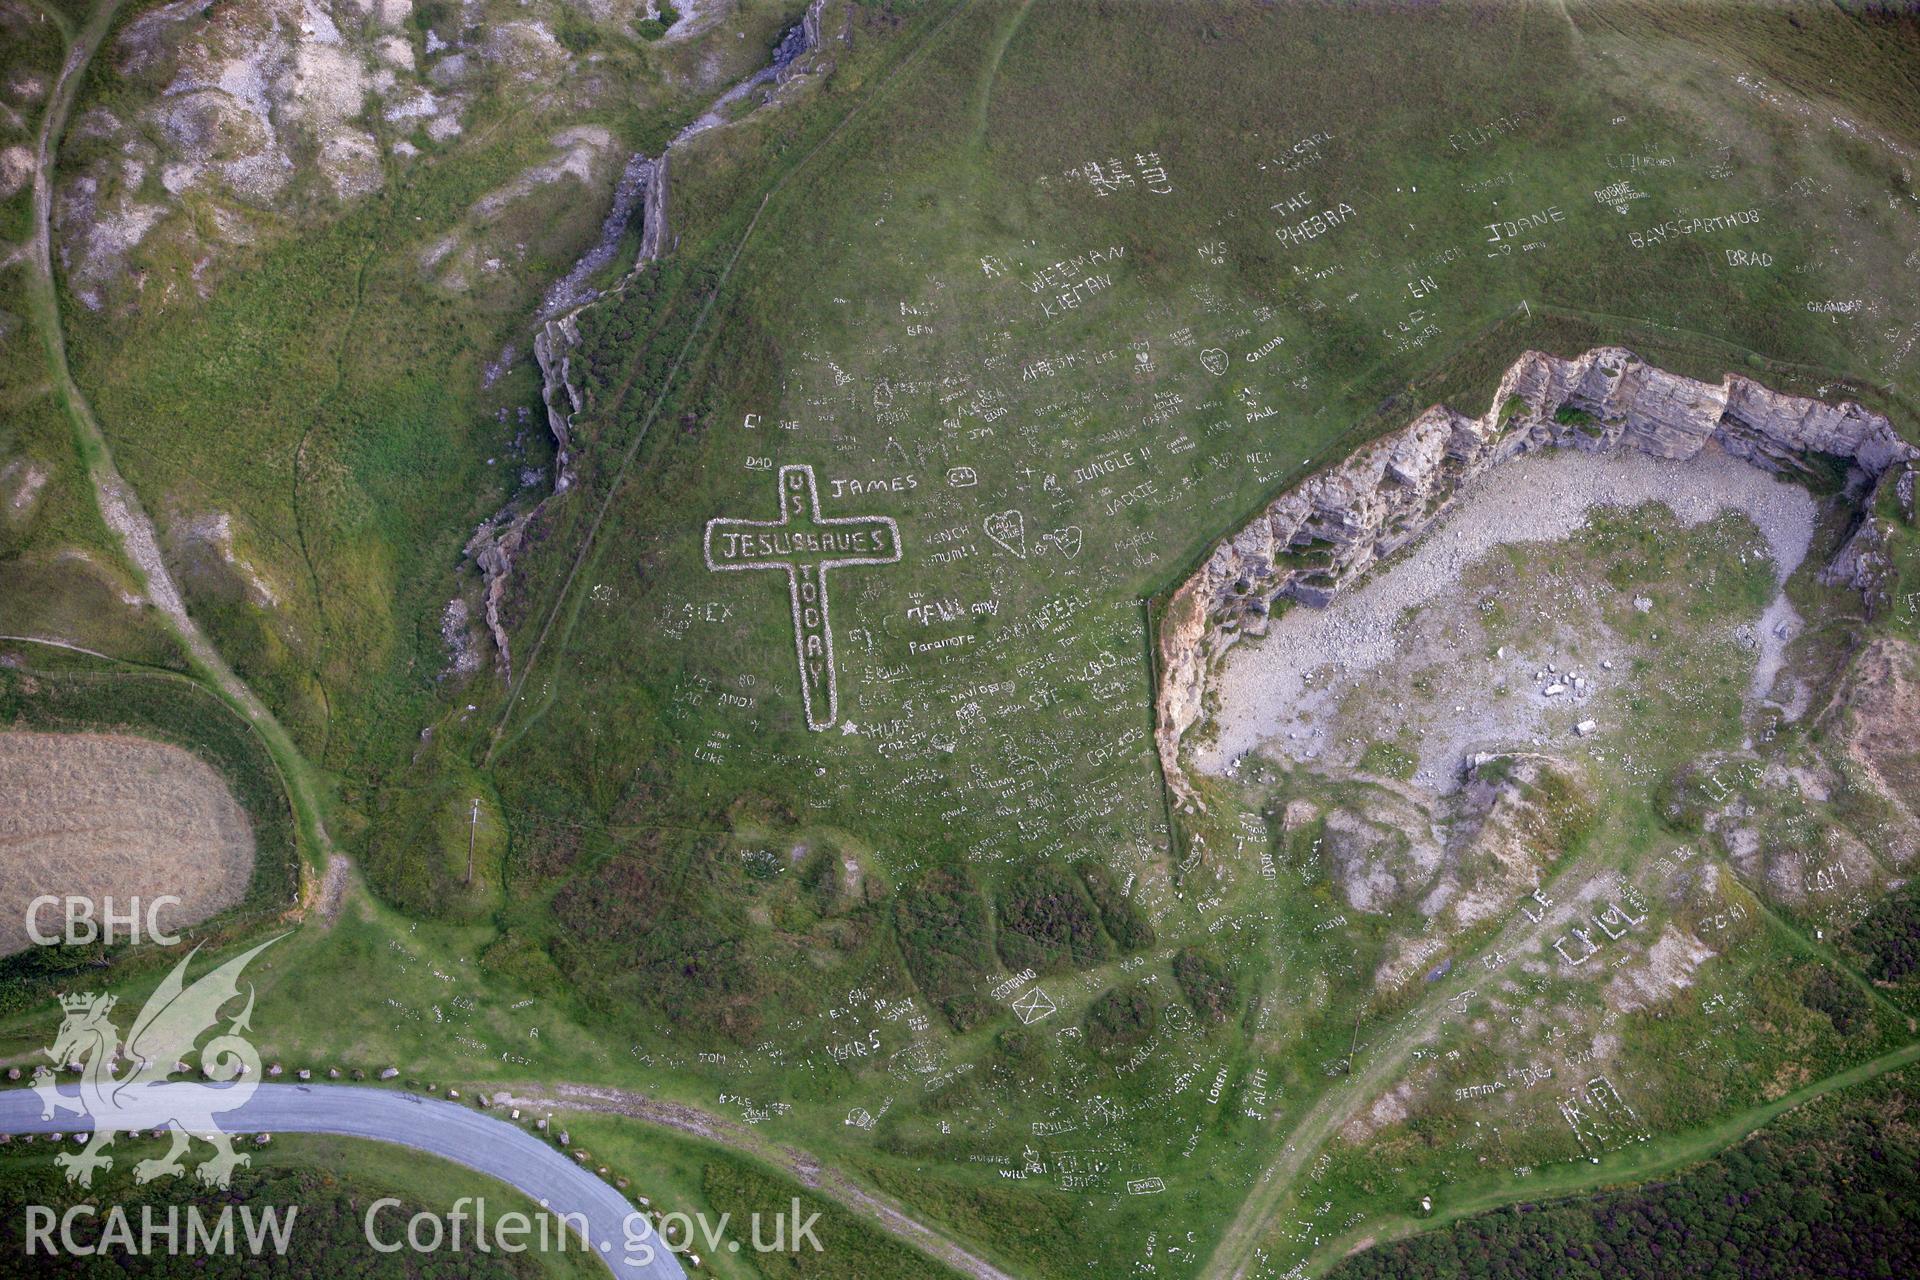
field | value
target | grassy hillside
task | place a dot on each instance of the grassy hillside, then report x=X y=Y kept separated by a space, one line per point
x=1065 y=291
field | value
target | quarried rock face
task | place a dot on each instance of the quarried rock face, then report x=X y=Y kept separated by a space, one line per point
x=496 y=543
x=551 y=344
x=1313 y=540
x=493 y=547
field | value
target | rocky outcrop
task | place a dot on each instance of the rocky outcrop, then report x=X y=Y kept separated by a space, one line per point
x=653 y=213
x=1310 y=542
x=801 y=37
x=227 y=121
x=550 y=347
x=1862 y=564
x=496 y=543
x=493 y=548
x=643 y=184
x=633 y=192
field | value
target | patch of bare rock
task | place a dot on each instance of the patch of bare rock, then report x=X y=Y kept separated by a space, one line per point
x=1312 y=544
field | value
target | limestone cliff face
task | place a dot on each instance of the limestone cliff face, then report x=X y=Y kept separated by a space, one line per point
x=492 y=548
x=1313 y=540
x=497 y=543
x=551 y=343
x=653 y=213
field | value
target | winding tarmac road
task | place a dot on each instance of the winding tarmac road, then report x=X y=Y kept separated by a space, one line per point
x=445 y=1129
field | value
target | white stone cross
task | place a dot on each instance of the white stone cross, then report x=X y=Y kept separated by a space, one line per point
x=805 y=544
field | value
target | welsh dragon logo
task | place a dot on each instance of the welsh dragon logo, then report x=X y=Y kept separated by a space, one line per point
x=143 y=1097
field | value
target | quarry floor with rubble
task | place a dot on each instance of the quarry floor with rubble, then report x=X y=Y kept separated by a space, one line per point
x=1503 y=628
x=1570 y=795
